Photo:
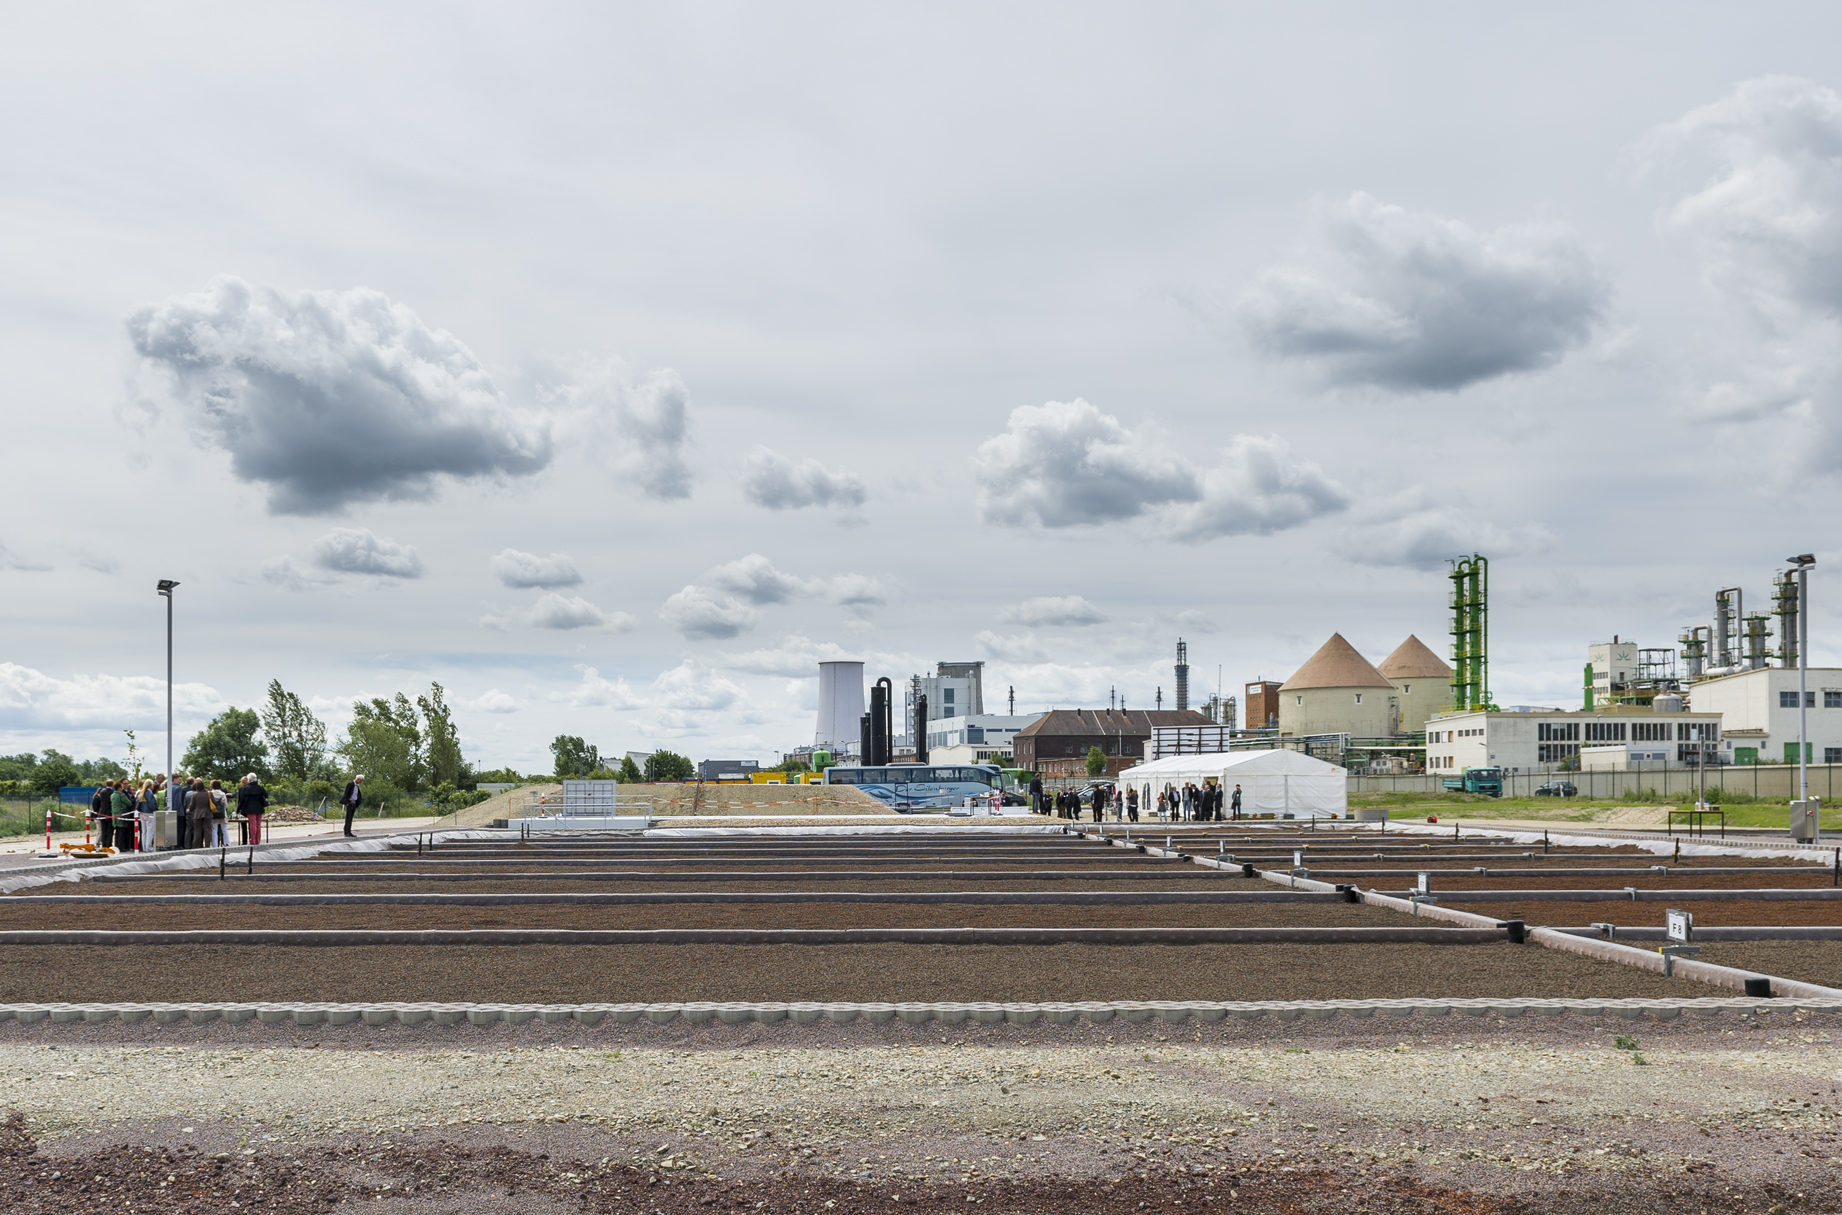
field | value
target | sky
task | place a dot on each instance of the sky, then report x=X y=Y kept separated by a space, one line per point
x=612 y=366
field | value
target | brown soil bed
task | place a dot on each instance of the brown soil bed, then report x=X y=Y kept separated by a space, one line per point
x=1509 y=880
x=698 y=915
x=1710 y=913
x=1807 y=961
x=1178 y=880
x=665 y=973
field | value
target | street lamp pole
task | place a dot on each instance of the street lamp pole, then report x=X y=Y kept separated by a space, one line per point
x=166 y=593
x=1803 y=564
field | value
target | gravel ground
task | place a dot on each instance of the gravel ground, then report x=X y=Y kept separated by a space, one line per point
x=705 y=915
x=1452 y=1116
x=563 y=974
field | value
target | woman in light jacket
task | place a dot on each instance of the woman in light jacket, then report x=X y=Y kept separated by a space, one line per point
x=220 y=804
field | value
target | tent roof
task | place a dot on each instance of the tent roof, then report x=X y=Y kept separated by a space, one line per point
x=1233 y=765
x=1336 y=665
x=1412 y=660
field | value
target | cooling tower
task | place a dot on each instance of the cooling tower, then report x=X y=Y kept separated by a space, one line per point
x=840 y=706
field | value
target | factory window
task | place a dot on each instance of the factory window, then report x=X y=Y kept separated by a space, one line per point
x=1832 y=700
x=1788 y=700
x=1359 y=698
x=1832 y=755
x=1298 y=700
x=1406 y=688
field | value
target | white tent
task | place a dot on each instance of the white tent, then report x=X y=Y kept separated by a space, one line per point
x=1272 y=781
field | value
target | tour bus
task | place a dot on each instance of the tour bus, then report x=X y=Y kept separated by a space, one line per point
x=920 y=786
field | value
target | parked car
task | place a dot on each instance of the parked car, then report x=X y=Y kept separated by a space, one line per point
x=1558 y=788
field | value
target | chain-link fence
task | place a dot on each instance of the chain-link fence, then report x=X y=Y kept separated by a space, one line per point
x=1750 y=782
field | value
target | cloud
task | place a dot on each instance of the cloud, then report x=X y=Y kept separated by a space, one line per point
x=794 y=657
x=692 y=687
x=1053 y=610
x=1019 y=649
x=354 y=550
x=13 y=561
x=754 y=579
x=1420 y=531
x=102 y=565
x=778 y=482
x=648 y=422
x=858 y=591
x=491 y=701
x=1766 y=229
x=594 y=692
x=1067 y=465
x=283 y=572
x=554 y=611
x=33 y=700
x=521 y=570
x=698 y=614
x=330 y=398
x=1415 y=302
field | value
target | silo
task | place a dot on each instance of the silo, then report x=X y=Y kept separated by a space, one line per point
x=840 y=705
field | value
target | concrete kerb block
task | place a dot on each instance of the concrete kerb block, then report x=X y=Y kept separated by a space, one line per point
x=518 y=1014
x=770 y=1014
x=309 y=1016
x=203 y=1016
x=878 y=1014
x=134 y=1016
x=343 y=1016
x=1247 y=1014
x=167 y=1016
x=1360 y=1011
x=805 y=1013
x=1169 y=1012
x=414 y=1016
x=840 y=1014
x=663 y=1014
x=268 y=1016
x=448 y=1015
x=1287 y=1014
x=914 y=1014
x=484 y=1016
x=1321 y=1014
x=1666 y=1014
x=1208 y=1014
x=985 y=1012
x=1022 y=1014
x=379 y=1016
x=627 y=1014
x=64 y=1016
x=552 y=1014
x=698 y=1012
x=951 y=1014
x=31 y=1016
x=590 y=1016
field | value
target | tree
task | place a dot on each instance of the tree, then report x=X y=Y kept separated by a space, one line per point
x=793 y=763
x=52 y=773
x=574 y=758
x=629 y=771
x=227 y=747
x=296 y=738
x=669 y=766
x=384 y=742
x=1096 y=761
x=442 y=741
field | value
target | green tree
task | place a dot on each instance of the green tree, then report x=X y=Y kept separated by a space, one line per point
x=1096 y=761
x=53 y=772
x=629 y=771
x=384 y=742
x=793 y=763
x=669 y=766
x=227 y=748
x=296 y=738
x=18 y=767
x=442 y=748
x=574 y=758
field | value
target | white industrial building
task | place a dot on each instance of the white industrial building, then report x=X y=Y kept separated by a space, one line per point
x=1545 y=740
x=1758 y=713
x=986 y=736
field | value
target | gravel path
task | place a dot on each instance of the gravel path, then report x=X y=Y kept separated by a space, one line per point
x=559 y=974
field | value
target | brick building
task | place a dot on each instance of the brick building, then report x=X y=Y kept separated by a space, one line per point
x=1056 y=744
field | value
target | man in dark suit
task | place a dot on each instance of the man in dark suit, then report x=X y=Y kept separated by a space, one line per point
x=353 y=798
x=1036 y=794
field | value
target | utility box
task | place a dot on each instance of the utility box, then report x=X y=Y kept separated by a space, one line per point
x=1804 y=820
x=165 y=829
x=1370 y=814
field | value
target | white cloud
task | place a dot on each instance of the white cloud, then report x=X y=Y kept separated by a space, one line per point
x=354 y=550
x=858 y=591
x=554 y=611
x=14 y=561
x=794 y=657
x=753 y=578
x=1421 y=530
x=1415 y=302
x=648 y=422
x=594 y=692
x=1020 y=649
x=524 y=570
x=492 y=701
x=33 y=700
x=779 y=482
x=329 y=398
x=1068 y=464
x=1053 y=610
x=698 y=614
x=282 y=571
x=692 y=687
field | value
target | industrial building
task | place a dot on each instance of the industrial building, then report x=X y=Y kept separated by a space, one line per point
x=1546 y=740
x=840 y=707
x=1338 y=691
x=1056 y=744
x=1758 y=713
x=1421 y=682
x=983 y=738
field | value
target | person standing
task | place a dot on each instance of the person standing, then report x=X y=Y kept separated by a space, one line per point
x=1036 y=793
x=100 y=821
x=351 y=799
x=252 y=803
x=1132 y=803
x=197 y=814
x=121 y=818
x=1234 y=804
x=145 y=805
x=220 y=816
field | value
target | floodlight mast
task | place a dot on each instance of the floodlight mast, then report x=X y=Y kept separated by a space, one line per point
x=166 y=592
x=1803 y=564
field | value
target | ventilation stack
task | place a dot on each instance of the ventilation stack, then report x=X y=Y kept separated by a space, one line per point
x=1784 y=606
x=1183 y=675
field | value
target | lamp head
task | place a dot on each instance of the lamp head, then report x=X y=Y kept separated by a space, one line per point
x=166 y=586
x=1806 y=559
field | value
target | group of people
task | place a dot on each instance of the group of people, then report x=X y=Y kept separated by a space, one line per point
x=1189 y=803
x=122 y=813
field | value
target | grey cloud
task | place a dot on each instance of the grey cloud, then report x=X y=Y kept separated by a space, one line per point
x=794 y=657
x=14 y=561
x=1065 y=465
x=755 y=579
x=102 y=565
x=354 y=550
x=329 y=398
x=554 y=611
x=524 y=570
x=1415 y=302
x=1024 y=649
x=700 y=615
x=1053 y=610
x=1259 y=487
x=779 y=482
x=858 y=591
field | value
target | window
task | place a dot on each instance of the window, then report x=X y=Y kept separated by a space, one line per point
x=1788 y=700
x=1832 y=755
x=1359 y=698
x=1298 y=700
x=1832 y=700
x=1406 y=688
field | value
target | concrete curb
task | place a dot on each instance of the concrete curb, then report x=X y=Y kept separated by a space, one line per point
x=951 y=1013
x=1148 y=873
x=1478 y=935
x=990 y=898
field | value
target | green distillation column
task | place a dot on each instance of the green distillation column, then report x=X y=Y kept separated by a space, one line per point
x=1589 y=687
x=1470 y=632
